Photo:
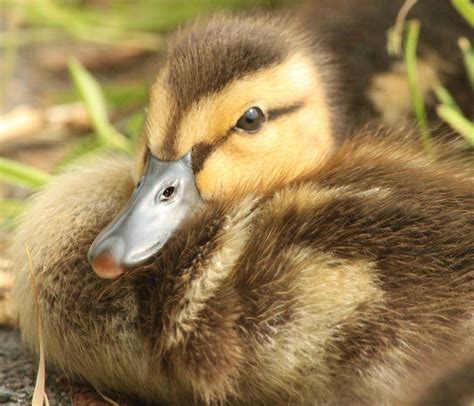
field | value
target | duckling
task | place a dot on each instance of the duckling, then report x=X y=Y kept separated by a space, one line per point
x=245 y=256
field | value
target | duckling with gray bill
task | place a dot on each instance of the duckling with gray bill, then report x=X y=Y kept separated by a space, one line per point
x=314 y=271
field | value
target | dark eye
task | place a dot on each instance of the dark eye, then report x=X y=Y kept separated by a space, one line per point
x=251 y=121
x=168 y=193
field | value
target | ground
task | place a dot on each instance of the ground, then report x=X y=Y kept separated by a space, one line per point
x=18 y=370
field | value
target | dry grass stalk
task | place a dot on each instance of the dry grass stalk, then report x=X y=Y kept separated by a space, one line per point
x=107 y=399
x=39 y=394
x=397 y=32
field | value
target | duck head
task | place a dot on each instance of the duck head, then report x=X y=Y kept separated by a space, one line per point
x=240 y=106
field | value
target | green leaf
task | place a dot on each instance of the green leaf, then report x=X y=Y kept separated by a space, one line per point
x=94 y=101
x=458 y=122
x=416 y=96
x=466 y=9
x=23 y=175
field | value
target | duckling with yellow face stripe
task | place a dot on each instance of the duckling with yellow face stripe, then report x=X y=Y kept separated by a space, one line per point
x=270 y=267
x=240 y=106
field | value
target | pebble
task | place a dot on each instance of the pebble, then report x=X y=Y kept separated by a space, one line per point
x=6 y=394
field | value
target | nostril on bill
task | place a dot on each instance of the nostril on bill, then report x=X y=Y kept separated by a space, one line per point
x=105 y=265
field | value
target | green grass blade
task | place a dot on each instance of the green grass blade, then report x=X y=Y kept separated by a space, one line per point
x=23 y=175
x=416 y=96
x=94 y=101
x=466 y=9
x=458 y=122
x=445 y=98
x=468 y=58
x=11 y=208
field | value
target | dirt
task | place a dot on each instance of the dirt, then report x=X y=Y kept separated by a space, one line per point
x=18 y=369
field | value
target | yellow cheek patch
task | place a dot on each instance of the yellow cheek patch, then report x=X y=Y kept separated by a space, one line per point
x=285 y=148
x=271 y=158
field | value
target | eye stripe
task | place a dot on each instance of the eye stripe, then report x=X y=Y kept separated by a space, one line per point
x=275 y=113
x=145 y=154
x=202 y=151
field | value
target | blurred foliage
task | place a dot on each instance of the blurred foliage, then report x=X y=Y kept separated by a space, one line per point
x=92 y=96
x=112 y=21
x=23 y=175
x=466 y=9
x=11 y=208
x=447 y=110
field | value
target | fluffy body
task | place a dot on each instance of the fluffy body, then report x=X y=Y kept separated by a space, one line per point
x=352 y=284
